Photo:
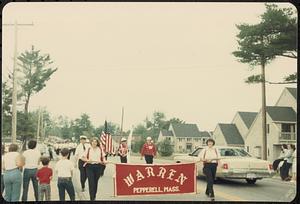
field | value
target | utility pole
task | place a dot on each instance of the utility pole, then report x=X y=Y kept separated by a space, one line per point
x=14 y=93
x=38 y=125
x=263 y=114
x=122 y=122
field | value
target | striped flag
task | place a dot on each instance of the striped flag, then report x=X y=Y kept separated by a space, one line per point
x=107 y=143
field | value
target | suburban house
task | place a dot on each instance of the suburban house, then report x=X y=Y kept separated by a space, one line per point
x=184 y=137
x=288 y=98
x=243 y=122
x=281 y=129
x=228 y=135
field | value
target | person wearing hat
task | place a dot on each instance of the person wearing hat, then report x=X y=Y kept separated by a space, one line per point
x=123 y=150
x=148 y=151
x=79 y=153
x=209 y=156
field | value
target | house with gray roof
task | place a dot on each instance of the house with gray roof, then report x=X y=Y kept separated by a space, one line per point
x=243 y=122
x=184 y=137
x=281 y=129
x=227 y=134
x=288 y=98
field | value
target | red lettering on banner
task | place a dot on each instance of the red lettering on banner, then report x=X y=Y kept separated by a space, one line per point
x=155 y=179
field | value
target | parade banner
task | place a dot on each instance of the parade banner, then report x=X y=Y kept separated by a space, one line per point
x=155 y=179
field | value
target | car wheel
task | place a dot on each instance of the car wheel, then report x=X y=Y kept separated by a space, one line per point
x=251 y=181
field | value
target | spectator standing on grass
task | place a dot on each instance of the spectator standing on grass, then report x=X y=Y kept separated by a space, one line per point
x=44 y=175
x=64 y=168
x=12 y=162
x=148 y=151
x=95 y=162
x=32 y=157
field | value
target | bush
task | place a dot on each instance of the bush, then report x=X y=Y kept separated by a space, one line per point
x=165 y=148
x=136 y=146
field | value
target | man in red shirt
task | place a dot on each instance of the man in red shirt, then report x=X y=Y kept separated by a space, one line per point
x=148 y=151
x=44 y=175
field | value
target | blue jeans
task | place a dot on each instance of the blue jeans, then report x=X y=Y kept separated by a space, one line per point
x=12 y=182
x=30 y=174
x=65 y=184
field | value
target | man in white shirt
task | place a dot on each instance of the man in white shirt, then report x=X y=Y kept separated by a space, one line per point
x=32 y=159
x=79 y=153
x=64 y=168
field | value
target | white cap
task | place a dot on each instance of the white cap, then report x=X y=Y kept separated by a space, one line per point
x=82 y=137
x=123 y=139
x=149 y=138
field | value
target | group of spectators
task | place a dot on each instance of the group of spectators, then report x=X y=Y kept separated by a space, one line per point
x=286 y=160
x=19 y=169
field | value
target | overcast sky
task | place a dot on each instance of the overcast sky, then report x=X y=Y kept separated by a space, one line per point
x=169 y=57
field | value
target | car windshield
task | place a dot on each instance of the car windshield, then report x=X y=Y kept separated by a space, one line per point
x=196 y=152
x=228 y=152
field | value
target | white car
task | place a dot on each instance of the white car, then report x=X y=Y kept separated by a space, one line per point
x=234 y=163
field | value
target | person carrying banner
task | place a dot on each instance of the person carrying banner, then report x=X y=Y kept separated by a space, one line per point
x=123 y=150
x=148 y=151
x=79 y=153
x=95 y=162
x=209 y=156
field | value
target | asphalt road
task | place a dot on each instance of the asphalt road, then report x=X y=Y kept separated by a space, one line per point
x=271 y=189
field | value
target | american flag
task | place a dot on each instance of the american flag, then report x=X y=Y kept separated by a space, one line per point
x=107 y=143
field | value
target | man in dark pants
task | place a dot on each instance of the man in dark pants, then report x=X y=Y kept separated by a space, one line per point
x=149 y=151
x=79 y=152
x=209 y=156
x=32 y=160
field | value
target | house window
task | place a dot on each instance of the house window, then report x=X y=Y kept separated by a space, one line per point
x=247 y=148
x=203 y=141
x=268 y=128
x=286 y=127
x=268 y=152
x=169 y=138
x=189 y=139
x=180 y=147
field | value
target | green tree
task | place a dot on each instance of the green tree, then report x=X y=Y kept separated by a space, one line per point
x=280 y=28
x=165 y=148
x=172 y=121
x=6 y=109
x=36 y=71
x=83 y=126
x=137 y=146
x=255 y=48
x=112 y=129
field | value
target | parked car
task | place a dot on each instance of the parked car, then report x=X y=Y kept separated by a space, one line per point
x=234 y=163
